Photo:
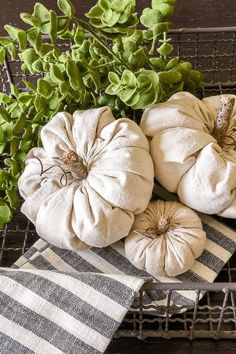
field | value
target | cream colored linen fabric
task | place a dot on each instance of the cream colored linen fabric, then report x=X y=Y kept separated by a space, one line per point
x=100 y=209
x=171 y=253
x=187 y=158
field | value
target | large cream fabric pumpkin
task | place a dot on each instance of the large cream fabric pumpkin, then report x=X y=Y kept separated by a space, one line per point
x=190 y=157
x=90 y=178
x=165 y=239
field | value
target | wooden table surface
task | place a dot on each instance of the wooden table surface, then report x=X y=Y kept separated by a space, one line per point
x=188 y=13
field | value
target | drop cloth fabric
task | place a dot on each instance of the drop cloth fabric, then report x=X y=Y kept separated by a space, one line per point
x=99 y=209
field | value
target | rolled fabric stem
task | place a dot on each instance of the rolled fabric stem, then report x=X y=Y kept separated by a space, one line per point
x=75 y=165
x=223 y=118
x=161 y=229
x=163 y=224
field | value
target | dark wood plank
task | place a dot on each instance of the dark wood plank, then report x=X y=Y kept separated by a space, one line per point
x=188 y=13
x=171 y=346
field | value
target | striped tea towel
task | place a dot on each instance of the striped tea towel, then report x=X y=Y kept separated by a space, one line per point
x=52 y=312
x=220 y=246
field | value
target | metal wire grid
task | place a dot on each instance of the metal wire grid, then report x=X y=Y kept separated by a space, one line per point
x=212 y=51
x=214 y=316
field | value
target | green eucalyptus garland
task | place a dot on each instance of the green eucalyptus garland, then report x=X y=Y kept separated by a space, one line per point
x=110 y=61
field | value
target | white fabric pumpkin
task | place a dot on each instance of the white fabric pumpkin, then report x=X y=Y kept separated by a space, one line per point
x=109 y=179
x=165 y=239
x=188 y=159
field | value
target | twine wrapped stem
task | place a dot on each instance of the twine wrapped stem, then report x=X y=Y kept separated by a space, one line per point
x=161 y=228
x=73 y=165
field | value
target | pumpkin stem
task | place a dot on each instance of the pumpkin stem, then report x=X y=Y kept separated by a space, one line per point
x=223 y=118
x=75 y=165
x=70 y=157
x=161 y=229
x=163 y=224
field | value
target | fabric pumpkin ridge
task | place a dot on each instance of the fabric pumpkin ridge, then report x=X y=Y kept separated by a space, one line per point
x=92 y=175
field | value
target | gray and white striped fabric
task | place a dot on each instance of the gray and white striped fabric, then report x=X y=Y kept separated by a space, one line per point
x=220 y=246
x=51 y=312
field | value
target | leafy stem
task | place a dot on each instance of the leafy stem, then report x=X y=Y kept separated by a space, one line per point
x=83 y=24
x=77 y=64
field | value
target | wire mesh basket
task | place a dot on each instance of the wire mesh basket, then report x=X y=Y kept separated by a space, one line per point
x=211 y=50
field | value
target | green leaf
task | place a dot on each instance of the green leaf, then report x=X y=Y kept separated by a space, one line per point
x=25 y=98
x=53 y=103
x=8 y=131
x=160 y=28
x=4 y=115
x=29 y=85
x=20 y=124
x=28 y=133
x=14 y=168
x=25 y=145
x=5 y=41
x=2 y=147
x=128 y=78
x=53 y=26
x=196 y=76
x=39 y=102
x=172 y=63
x=4 y=177
x=37 y=66
x=156 y=3
x=14 y=145
x=2 y=55
x=93 y=80
x=119 y=5
x=39 y=115
x=11 y=48
x=30 y=20
x=165 y=8
x=113 y=89
x=113 y=78
x=13 y=198
x=165 y=49
x=150 y=18
x=29 y=56
x=5 y=213
x=17 y=34
x=2 y=139
x=79 y=36
x=110 y=18
x=73 y=74
x=4 y=98
x=185 y=65
x=66 y=7
x=56 y=75
x=64 y=90
x=14 y=91
x=34 y=38
x=190 y=86
x=62 y=25
x=43 y=16
x=44 y=88
x=127 y=94
x=157 y=63
x=170 y=77
x=45 y=49
x=95 y=12
x=138 y=58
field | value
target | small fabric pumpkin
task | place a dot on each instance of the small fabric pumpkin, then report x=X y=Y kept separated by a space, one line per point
x=193 y=146
x=165 y=239
x=90 y=178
